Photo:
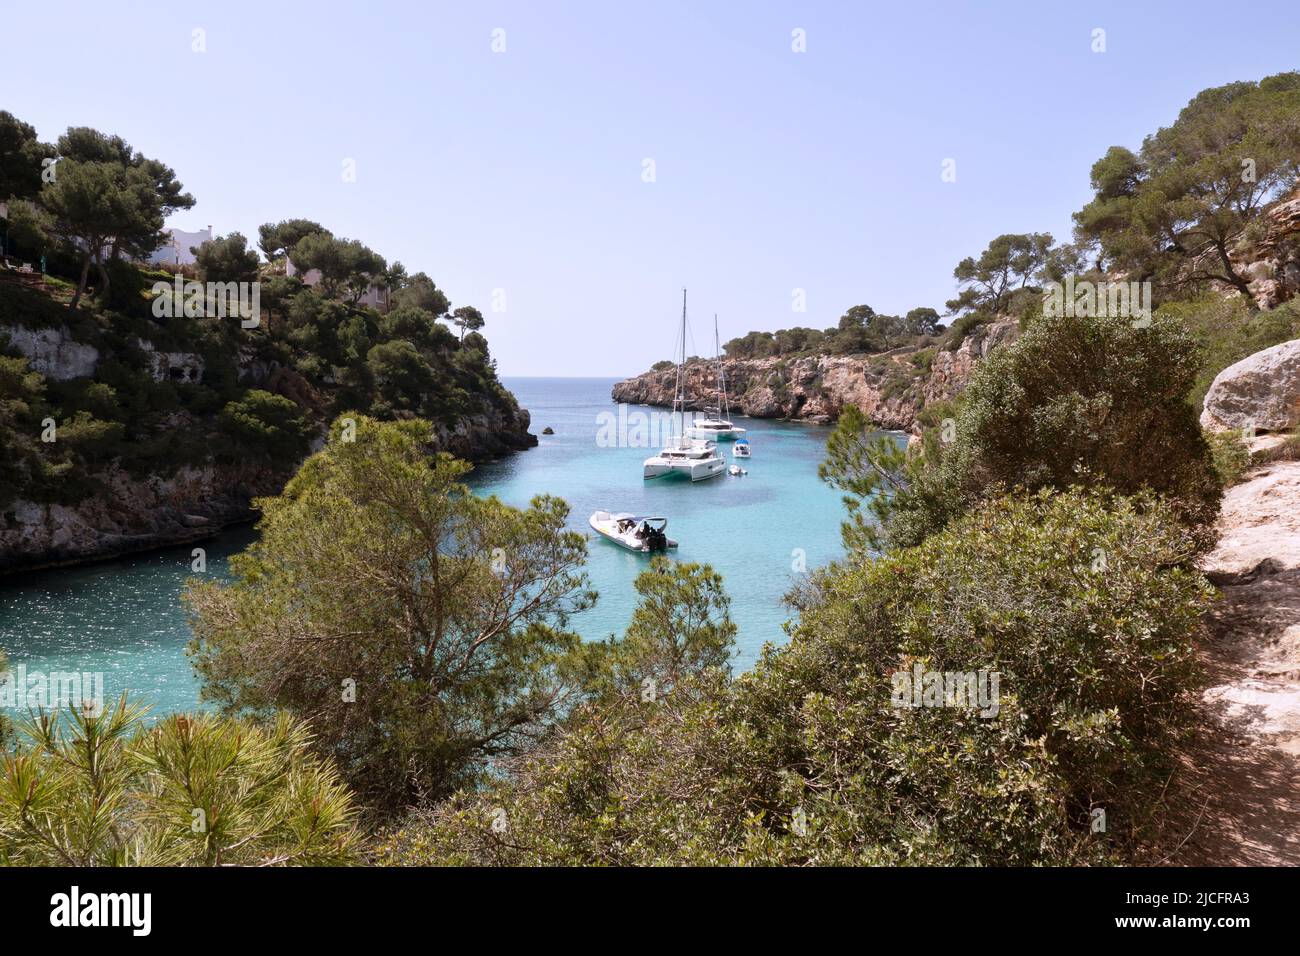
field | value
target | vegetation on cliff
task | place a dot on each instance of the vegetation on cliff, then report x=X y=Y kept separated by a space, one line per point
x=173 y=386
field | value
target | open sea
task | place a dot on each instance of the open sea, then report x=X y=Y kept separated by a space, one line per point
x=123 y=618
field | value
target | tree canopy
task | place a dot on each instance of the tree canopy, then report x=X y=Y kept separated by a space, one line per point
x=1178 y=210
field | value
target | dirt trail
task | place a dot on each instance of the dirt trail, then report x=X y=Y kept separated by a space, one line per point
x=1245 y=781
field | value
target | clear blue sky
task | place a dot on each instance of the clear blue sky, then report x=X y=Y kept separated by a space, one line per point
x=522 y=170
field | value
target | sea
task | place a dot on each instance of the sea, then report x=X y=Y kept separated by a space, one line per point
x=762 y=531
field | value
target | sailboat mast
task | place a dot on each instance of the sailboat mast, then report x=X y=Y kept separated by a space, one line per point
x=724 y=407
x=679 y=400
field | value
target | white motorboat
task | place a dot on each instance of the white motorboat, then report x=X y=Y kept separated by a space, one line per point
x=741 y=448
x=715 y=426
x=694 y=458
x=644 y=534
x=736 y=471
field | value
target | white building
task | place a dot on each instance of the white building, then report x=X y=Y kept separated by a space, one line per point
x=176 y=250
x=377 y=297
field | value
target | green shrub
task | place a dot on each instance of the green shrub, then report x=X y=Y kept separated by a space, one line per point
x=103 y=789
x=1087 y=401
x=1228 y=330
x=1082 y=602
x=1230 y=454
x=266 y=427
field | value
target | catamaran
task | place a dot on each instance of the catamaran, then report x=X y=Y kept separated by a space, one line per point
x=635 y=533
x=715 y=426
x=695 y=458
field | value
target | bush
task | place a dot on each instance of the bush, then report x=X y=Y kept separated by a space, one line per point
x=266 y=427
x=1227 y=330
x=1082 y=602
x=1087 y=401
x=449 y=655
x=103 y=789
x=1230 y=454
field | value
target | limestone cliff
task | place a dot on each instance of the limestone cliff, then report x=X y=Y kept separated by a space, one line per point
x=890 y=387
x=181 y=503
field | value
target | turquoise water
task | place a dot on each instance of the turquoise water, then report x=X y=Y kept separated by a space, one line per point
x=124 y=618
x=748 y=528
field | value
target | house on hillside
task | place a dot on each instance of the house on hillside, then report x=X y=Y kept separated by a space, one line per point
x=176 y=250
x=377 y=296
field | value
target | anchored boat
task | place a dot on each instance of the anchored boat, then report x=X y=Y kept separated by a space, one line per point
x=715 y=425
x=697 y=459
x=645 y=534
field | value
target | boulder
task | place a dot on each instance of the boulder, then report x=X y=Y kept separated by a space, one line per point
x=1262 y=392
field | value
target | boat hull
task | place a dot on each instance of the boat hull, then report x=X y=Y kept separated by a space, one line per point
x=709 y=434
x=694 y=470
x=607 y=530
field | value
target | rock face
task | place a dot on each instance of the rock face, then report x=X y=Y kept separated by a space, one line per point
x=890 y=388
x=129 y=515
x=1261 y=391
x=1272 y=266
x=132 y=514
x=53 y=352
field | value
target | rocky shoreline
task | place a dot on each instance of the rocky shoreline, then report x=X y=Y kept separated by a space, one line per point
x=891 y=388
x=132 y=515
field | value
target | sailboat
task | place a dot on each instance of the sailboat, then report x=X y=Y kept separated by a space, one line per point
x=692 y=457
x=715 y=426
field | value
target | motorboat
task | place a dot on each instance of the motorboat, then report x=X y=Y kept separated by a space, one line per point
x=741 y=448
x=695 y=458
x=692 y=458
x=715 y=425
x=736 y=471
x=641 y=533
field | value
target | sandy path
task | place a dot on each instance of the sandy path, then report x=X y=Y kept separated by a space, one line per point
x=1245 y=782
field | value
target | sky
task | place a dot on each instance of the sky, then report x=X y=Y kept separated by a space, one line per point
x=570 y=167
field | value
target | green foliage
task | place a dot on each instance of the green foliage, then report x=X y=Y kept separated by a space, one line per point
x=277 y=240
x=1230 y=455
x=1177 y=210
x=21 y=156
x=1009 y=264
x=420 y=292
x=347 y=266
x=1228 y=330
x=421 y=627
x=871 y=468
x=265 y=427
x=1083 y=604
x=226 y=259
x=467 y=319
x=1090 y=401
x=681 y=626
x=105 y=194
x=104 y=789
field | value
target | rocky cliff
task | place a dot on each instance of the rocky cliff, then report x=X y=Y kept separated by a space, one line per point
x=133 y=514
x=890 y=387
x=128 y=513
